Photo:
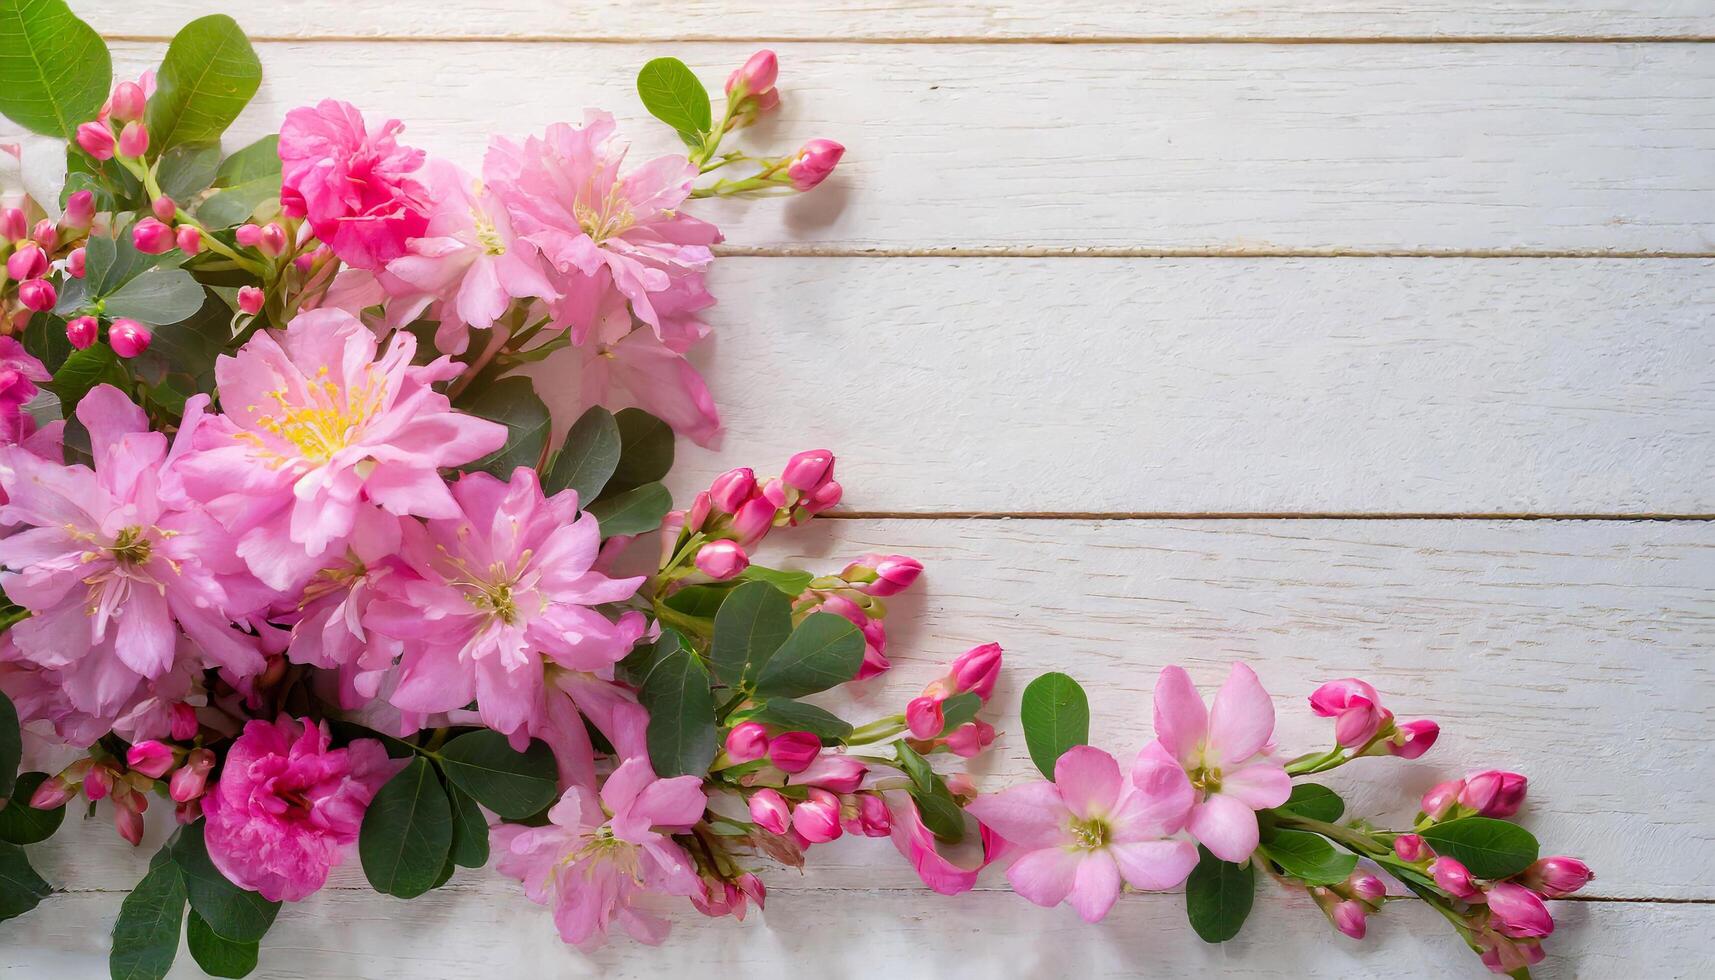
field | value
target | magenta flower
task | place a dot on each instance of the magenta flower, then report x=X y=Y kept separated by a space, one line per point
x=315 y=428
x=19 y=375
x=1227 y=753
x=503 y=583
x=597 y=855
x=1082 y=834
x=288 y=807
x=353 y=184
x=1355 y=707
x=112 y=564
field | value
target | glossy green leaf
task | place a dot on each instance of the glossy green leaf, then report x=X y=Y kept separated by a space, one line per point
x=935 y=803
x=645 y=450
x=800 y=717
x=11 y=745
x=1490 y=848
x=511 y=783
x=54 y=69
x=146 y=934
x=700 y=601
x=21 y=889
x=238 y=914
x=207 y=78
x=1056 y=716
x=1315 y=802
x=245 y=180
x=113 y=262
x=470 y=830
x=45 y=337
x=752 y=623
x=1218 y=897
x=21 y=823
x=823 y=651
x=187 y=169
x=588 y=458
x=83 y=370
x=790 y=581
x=675 y=690
x=673 y=94
x=636 y=511
x=217 y=955
x=513 y=403
x=407 y=833
x=156 y=297
x=1310 y=857
x=959 y=709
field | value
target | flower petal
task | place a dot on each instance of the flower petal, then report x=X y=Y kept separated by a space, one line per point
x=1260 y=785
x=1097 y=886
x=1225 y=826
x=1242 y=720
x=1155 y=865
x=1031 y=816
x=1181 y=721
x=1088 y=780
x=1045 y=876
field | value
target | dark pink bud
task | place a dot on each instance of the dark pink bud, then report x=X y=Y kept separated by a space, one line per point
x=873 y=819
x=970 y=739
x=164 y=208
x=814 y=163
x=699 y=512
x=82 y=332
x=774 y=491
x=128 y=102
x=732 y=489
x=1557 y=877
x=1411 y=848
x=747 y=742
x=1350 y=918
x=184 y=723
x=1453 y=878
x=191 y=779
x=53 y=793
x=273 y=241
x=1412 y=739
x=977 y=669
x=753 y=887
x=757 y=74
x=834 y=772
x=80 y=212
x=1518 y=912
x=721 y=560
x=752 y=521
x=894 y=574
x=792 y=752
x=97 y=784
x=808 y=470
x=129 y=821
x=825 y=497
x=1366 y=887
x=134 y=139
x=1442 y=798
x=769 y=811
x=128 y=338
x=28 y=262
x=96 y=140
x=189 y=239
x=152 y=237
x=249 y=236
x=14 y=226
x=46 y=234
x=923 y=717
x=38 y=294
x=1494 y=793
x=151 y=758
x=250 y=299
x=77 y=263
x=817 y=819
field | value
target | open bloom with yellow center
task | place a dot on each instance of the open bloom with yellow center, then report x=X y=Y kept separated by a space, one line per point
x=315 y=428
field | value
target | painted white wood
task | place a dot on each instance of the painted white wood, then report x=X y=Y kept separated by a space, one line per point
x=1230 y=148
x=1577 y=653
x=626 y=20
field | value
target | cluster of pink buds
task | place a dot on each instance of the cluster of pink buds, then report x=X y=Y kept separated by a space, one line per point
x=1364 y=726
x=124 y=112
x=1491 y=793
x=32 y=252
x=738 y=511
x=1350 y=904
x=974 y=672
x=855 y=595
x=821 y=815
x=188 y=771
x=722 y=896
x=750 y=88
x=100 y=780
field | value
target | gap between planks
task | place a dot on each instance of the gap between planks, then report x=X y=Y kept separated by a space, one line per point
x=1094 y=39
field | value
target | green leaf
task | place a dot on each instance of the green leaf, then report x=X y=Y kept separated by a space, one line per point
x=752 y=623
x=186 y=169
x=237 y=914
x=1309 y=857
x=700 y=601
x=1315 y=802
x=513 y=403
x=672 y=94
x=157 y=296
x=1218 y=897
x=21 y=823
x=935 y=803
x=470 y=830
x=243 y=183
x=11 y=745
x=208 y=76
x=45 y=337
x=21 y=889
x=789 y=581
x=83 y=370
x=217 y=955
x=636 y=511
x=1056 y=716
x=675 y=690
x=407 y=833
x=182 y=354
x=1489 y=848
x=113 y=262
x=800 y=717
x=958 y=709
x=146 y=934
x=588 y=458
x=54 y=69
x=823 y=651
x=511 y=783
x=645 y=450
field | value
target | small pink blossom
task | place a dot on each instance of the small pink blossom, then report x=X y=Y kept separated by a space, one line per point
x=1454 y=878
x=817 y=819
x=747 y=742
x=792 y=752
x=833 y=771
x=1557 y=877
x=770 y=811
x=1356 y=708
x=1517 y=912
x=357 y=186
x=151 y=757
x=20 y=373
x=1494 y=793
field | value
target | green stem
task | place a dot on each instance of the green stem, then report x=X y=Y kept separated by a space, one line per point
x=1307 y=765
x=877 y=731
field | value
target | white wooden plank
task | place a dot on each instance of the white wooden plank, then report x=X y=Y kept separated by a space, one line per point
x=490 y=930
x=626 y=20
x=1195 y=386
x=1577 y=653
x=1231 y=148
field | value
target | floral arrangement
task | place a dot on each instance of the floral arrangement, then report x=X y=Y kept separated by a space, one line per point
x=287 y=546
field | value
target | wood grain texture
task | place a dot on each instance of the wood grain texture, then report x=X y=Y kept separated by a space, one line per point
x=1209 y=148
x=626 y=20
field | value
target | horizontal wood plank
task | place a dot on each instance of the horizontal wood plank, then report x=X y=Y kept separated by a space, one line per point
x=627 y=20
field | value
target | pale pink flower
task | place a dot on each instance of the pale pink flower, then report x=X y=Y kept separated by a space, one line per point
x=354 y=184
x=1227 y=753
x=1082 y=834
x=598 y=854
x=327 y=617
x=288 y=807
x=638 y=369
x=317 y=428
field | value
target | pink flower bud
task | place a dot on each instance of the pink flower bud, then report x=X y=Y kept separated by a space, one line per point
x=249 y=236
x=699 y=512
x=129 y=822
x=1411 y=739
x=1356 y=708
x=1494 y=793
x=80 y=212
x=747 y=742
x=1441 y=798
x=774 y=491
x=1557 y=877
x=128 y=338
x=28 y=262
x=808 y=470
x=1411 y=848
x=970 y=739
x=757 y=74
x=77 y=263
x=792 y=752
x=164 y=208
x=753 y=520
x=825 y=497
x=1350 y=918
x=151 y=237
x=96 y=140
x=191 y=778
x=818 y=818
x=250 y=299
x=82 y=332
x=14 y=226
x=769 y=811
x=189 y=239
x=184 y=723
x=134 y=139
x=923 y=717
x=732 y=489
x=894 y=574
x=814 y=162
x=151 y=758
x=1366 y=887
x=721 y=560
x=873 y=819
x=834 y=772
x=1453 y=878
x=1518 y=912
x=52 y=794
x=977 y=669
x=38 y=295
x=46 y=234
x=128 y=102
x=273 y=241
x=753 y=888
x=97 y=784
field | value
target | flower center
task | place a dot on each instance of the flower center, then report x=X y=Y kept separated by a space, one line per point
x=329 y=419
x=487 y=235
x=605 y=219
x=1206 y=779
x=130 y=547
x=1091 y=834
x=494 y=598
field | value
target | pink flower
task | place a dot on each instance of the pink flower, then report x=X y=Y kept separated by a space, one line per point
x=1356 y=708
x=833 y=771
x=504 y=587
x=112 y=564
x=151 y=757
x=747 y=742
x=20 y=373
x=636 y=369
x=288 y=807
x=1494 y=793
x=1087 y=830
x=1557 y=877
x=1516 y=912
x=327 y=618
x=1454 y=878
x=315 y=428
x=596 y=855
x=1226 y=751
x=354 y=184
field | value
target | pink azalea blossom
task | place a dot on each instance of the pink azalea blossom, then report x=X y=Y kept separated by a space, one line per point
x=1082 y=834
x=328 y=629
x=288 y=807
x=315 y=429
x=501 y=585
x=598 y=854
x=1227 y=753
x=19 y=375
x=637 y=369
x=354 y=184
x=112 y=565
